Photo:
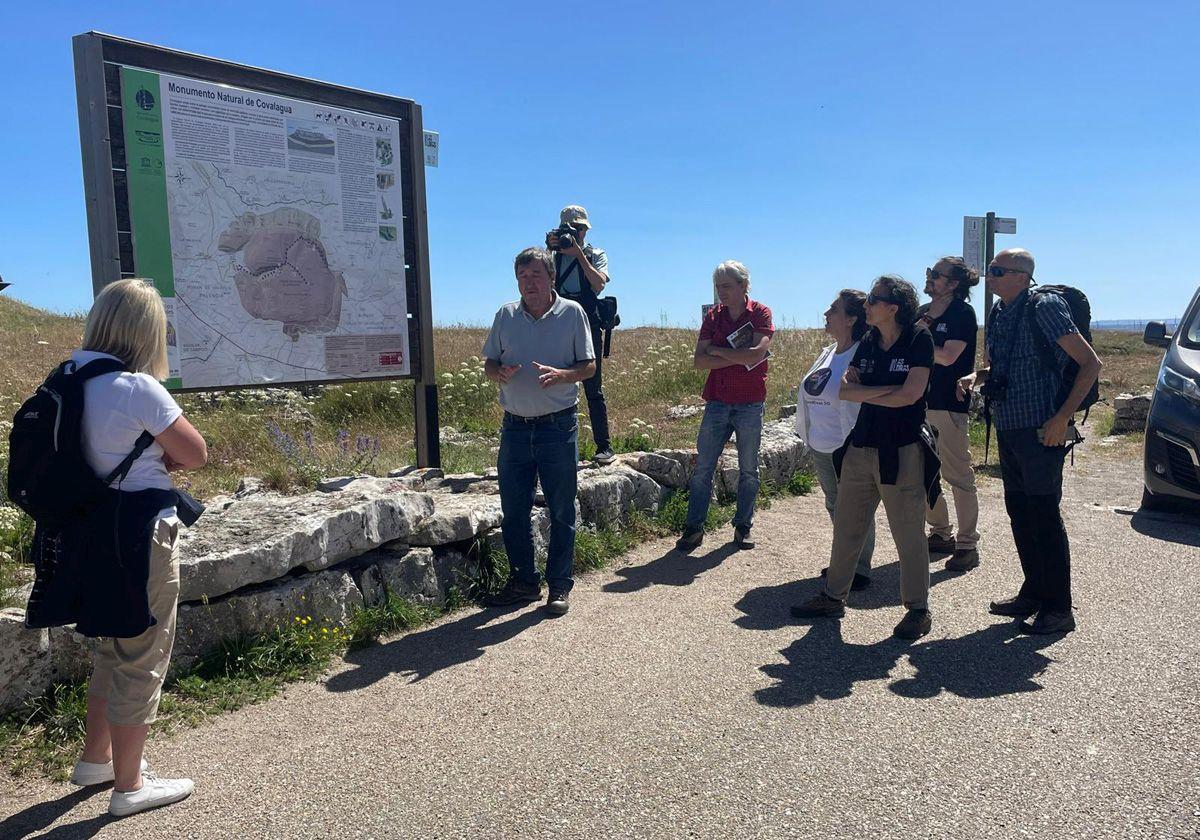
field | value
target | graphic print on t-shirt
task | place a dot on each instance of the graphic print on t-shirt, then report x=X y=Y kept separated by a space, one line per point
x=816 y=381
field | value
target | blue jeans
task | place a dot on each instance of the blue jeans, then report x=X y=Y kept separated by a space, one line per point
x=721 y=420
x=548 y=450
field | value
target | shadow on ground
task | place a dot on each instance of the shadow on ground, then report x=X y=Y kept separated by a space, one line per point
x=991 y=662
x=767 y=607
x=672 y=569
x=36 y=817
x=425 y=652
x=1180 y=528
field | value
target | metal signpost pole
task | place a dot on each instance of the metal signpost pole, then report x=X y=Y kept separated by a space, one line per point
x=989 y=253
x=428 y=443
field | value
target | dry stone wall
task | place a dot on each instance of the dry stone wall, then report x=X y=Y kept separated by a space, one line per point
x=257 y=559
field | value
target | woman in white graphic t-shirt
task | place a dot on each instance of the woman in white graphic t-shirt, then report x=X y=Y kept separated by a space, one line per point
x=823 y=421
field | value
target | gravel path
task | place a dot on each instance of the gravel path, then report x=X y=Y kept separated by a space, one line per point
x=677 y=700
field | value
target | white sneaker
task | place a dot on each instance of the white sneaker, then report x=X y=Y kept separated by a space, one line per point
x=153 y=793
x=88 y=773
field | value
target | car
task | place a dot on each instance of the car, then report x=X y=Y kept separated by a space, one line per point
x=1172 y=449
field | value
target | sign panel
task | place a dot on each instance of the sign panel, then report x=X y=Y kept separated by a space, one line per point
x=271 y=227
x=1004 y=225
x=975 y=242
x=431 y=148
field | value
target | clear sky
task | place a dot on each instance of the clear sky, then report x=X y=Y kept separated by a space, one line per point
x=819 y=143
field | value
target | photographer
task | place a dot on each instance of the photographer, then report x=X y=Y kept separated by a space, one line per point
x=580 y=274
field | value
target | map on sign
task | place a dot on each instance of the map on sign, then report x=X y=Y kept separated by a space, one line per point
x=282 y=259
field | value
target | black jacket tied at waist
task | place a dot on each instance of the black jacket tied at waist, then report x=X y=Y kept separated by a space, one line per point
x=93 y=572
x=889 y=463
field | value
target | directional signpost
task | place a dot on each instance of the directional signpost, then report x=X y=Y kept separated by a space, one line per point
x=979 y=246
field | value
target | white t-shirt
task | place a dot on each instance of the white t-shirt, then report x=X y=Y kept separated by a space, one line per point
x=827 y=420
x=117 y=408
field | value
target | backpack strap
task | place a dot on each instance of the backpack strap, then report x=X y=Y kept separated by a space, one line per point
x=140 y=445
x=1044 y=348
x=96 y=367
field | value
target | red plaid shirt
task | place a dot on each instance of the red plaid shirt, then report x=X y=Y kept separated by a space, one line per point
x=735 y=384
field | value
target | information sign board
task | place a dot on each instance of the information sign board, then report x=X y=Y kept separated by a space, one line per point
x=975 y=242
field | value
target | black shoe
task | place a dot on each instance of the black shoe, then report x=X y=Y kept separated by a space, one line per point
x=819 y=606
x=559 y=602
x=690 y=541
x=964 y=560
x=941 y=545
x=1050 y=621
x=860 y=583
x=604 y=456
x=514 y=592
x=741 y=537
x=914 y=625
x=1017 y=606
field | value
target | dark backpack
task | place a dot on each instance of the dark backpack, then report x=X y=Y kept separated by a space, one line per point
x=48 y=476
x=1081 y=315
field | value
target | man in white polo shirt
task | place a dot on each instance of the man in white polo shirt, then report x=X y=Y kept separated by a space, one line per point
x=539 y=348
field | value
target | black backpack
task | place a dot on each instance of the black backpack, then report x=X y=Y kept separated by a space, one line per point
x=48 y=476
x=1081 y=315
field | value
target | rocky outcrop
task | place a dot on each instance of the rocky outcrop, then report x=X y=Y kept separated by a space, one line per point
x=26 y=666
x=1130 y=413
x=258 y=560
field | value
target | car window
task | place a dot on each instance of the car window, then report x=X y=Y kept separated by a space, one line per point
x=1191 y=335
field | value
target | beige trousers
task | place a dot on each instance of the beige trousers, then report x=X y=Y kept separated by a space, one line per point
x=130 y=672
x=954 y=449
x=859 y=493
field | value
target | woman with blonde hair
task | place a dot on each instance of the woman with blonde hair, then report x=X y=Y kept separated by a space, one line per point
x=127 y=410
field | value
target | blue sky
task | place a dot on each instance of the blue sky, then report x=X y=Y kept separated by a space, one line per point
x=821 y=144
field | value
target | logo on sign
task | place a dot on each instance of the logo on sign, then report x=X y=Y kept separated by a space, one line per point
x=899 y=366
x=150 y=138
x=144 y=99
x=395 y=358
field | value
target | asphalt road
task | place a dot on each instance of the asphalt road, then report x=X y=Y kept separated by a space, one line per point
x=678 y=700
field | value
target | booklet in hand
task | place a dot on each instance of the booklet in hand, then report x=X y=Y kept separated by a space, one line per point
x=743 y=337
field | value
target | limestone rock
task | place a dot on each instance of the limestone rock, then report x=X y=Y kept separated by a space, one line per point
x=1131 y=411
x=671 y=468
x=607 y=494
x=26 y=667
x=457 y=518
x=262 y=538
x=71 y=653
x=328 y=598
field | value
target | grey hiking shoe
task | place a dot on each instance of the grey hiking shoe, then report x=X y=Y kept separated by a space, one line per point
x=604 y=457
x=741 y=537
x=964 y=560
x=558 y=602
x=941 y=545
x=819 y=606
x=914 y=625
x=514 y=592
x=690 y=541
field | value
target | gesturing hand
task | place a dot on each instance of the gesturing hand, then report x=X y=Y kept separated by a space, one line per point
x=965 y=385
x=850 y=377
x=507 y=372
x=549 y=376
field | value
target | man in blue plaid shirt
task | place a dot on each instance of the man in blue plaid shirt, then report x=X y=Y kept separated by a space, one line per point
x=1033 y=425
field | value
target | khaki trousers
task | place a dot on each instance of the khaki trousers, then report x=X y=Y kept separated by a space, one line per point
x=954 y=449
x=859 y=493
x=129 y=673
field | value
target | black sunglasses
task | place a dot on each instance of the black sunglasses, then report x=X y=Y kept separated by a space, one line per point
x=873 y=299
x=1000 y=271
x=931 y=274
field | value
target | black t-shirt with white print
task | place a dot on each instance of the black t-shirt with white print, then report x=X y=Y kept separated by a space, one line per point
x=957 y=323
x=880 y=426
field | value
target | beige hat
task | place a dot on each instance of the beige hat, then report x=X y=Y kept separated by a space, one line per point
x=574 y=215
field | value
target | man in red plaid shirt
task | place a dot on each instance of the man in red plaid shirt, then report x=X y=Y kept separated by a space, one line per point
x=733 y=348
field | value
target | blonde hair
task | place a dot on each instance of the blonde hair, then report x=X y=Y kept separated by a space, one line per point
x=128 y=321
x=735 y=270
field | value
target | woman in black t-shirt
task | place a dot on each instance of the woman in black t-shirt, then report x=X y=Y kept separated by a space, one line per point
x=951 y=322
x=884 y=458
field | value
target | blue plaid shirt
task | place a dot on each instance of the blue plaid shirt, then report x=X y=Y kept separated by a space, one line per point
x=1033 y=390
